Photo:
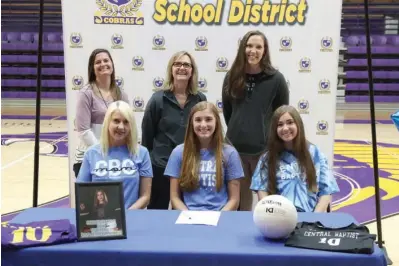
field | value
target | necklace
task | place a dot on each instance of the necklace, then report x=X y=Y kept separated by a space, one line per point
x=106 y=105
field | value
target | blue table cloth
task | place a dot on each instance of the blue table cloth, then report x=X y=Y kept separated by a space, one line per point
x=154 y=239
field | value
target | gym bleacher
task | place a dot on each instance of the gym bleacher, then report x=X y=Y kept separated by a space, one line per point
x=353 y=76
x=20 y=27
x=20 y=24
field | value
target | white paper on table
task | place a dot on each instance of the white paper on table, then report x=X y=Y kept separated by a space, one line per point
x=199 y=217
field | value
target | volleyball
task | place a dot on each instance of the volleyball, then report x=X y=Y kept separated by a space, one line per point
x=275 y=216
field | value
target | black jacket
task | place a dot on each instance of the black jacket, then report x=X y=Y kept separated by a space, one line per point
x=248 y=120
x=164 y=124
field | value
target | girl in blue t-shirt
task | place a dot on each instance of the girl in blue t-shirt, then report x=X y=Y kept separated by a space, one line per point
x=119 y=157
x=204 y=171
x=293 y=167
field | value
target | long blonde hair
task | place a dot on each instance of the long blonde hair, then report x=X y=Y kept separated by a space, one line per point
x=192 y=86
x=128 y=114
x=189 y=180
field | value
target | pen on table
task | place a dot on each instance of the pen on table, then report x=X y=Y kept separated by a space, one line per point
x=185 y=214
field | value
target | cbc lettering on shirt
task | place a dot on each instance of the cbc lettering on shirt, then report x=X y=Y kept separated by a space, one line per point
x=115 y=168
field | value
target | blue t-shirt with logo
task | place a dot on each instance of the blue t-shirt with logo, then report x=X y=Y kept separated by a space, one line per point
x=119 y=165
x=206 y=197
x=291 y=183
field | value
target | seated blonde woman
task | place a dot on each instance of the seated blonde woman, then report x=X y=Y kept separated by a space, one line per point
x=119 y=157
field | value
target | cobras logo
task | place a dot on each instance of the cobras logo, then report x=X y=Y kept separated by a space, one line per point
x=119 y=12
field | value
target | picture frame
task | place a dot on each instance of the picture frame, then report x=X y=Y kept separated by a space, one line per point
x=100 y=211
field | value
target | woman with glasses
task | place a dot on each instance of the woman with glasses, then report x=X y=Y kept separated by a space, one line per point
x=165 y=119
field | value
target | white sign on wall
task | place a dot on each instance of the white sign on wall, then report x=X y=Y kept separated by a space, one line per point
x=142 y=35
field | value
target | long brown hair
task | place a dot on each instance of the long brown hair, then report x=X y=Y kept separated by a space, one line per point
x=92 y=75
x=191 y=154
x=300 y=149
x=236 y=76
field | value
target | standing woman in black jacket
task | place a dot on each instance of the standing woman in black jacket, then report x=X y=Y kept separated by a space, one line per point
x=252 y=91
x=165 y=120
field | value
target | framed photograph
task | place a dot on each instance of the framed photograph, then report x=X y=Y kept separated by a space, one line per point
x=100 y=212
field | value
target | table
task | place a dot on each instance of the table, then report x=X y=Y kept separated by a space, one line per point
x=154 y=239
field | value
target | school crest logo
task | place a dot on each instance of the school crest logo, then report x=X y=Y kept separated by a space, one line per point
x=138 y=63
x=219 y=105
x=158 y=83
x=119 y=82
x=76 y=40
x=303 y=106
x=117 y=41
x=201 y=43
x=202 y=84
x=138 y=103
x=222 y=64
x=326 y=44
x=77 y=82
x=286 y=44
x=322 y=127
x=119 y=12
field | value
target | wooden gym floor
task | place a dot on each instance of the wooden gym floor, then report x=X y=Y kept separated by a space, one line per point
x=352 y=162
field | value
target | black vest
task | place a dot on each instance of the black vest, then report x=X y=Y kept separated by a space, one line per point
x=349 y=239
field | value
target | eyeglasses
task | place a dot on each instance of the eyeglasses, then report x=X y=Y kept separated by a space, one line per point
x=179 y=64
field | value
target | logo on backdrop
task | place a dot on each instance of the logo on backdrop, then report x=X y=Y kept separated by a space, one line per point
x=324 y=86
x=285 y=44
x=239 y=13
x=305 y=65
x=119 y=82
x=158 y=83
x=159 y=42
x=117 y=41
x=77 y=82
x=202 y=84
x=222 y=64
x=76 y=40
x=138 y=104
x=201 y=43
x=326 y=44
x=322 y=127
x=303 y=106
x=118 y=12
x=138 y=63
x=219 y=105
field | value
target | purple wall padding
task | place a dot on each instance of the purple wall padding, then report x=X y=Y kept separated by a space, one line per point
x=378 y=99
x=32 y=95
